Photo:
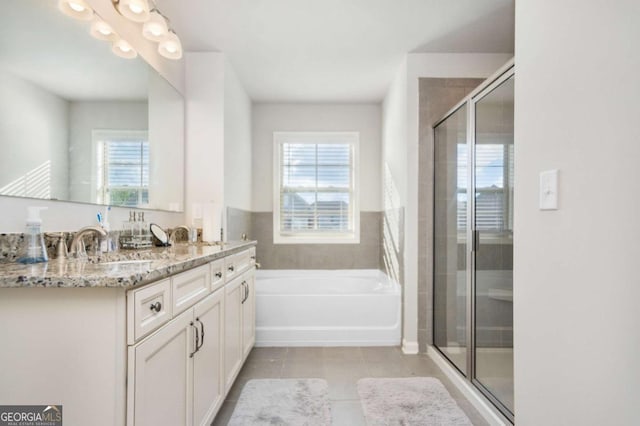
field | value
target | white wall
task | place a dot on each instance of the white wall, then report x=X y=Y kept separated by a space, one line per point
x=33 y=131
x=273 y=117
x=237 y=142
x=84 y=117
x=401 y=124
x=576 y=284
x=204 y=176
x=394 y=134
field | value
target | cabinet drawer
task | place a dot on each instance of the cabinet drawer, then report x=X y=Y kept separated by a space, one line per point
x=247 y=259
x=151 y=307
x=217 y=274
x=189 y=287
x=238 y=263
x=231 y=269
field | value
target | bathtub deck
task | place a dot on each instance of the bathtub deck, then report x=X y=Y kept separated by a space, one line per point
x=342 y=367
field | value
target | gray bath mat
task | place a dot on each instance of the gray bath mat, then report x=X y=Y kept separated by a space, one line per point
x=410 y=401
x=295 y=402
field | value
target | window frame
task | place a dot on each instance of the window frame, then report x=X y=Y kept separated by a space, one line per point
x=100 y=168
x=351 y=138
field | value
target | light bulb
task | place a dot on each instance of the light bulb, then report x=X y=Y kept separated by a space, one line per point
x=134 y=10
x=77 y=9
x=122 y=48
x=155 y=28
x=76 y=6
x=170 y=46
x=101 y=30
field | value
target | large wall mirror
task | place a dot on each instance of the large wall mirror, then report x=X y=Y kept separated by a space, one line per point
x=78 y=123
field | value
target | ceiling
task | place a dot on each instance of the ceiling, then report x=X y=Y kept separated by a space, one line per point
x=335 y=50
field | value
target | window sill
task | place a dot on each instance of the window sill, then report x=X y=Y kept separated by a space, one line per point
x=328 y=239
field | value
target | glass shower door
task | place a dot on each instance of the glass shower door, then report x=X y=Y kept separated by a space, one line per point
x=493 y=242
x=450 y=251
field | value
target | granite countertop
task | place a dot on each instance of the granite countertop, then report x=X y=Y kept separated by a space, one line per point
x=132 y=267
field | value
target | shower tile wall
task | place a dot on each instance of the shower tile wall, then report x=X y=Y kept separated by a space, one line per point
x=366 y=255
x=437 y=97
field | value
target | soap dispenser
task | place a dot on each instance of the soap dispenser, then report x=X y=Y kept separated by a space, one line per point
x=35 y=250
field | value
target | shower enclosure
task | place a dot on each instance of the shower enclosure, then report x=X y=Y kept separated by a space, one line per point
x=473 y=238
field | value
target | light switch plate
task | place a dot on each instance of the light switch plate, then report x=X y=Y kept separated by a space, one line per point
x=549 y=190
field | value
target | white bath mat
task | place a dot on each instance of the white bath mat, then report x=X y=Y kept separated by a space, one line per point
x=411 y=401
x=294 y=402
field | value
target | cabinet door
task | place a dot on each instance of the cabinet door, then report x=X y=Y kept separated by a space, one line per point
x=163 y=374
x=248 y=313
x=208 y=375
x=234 y=293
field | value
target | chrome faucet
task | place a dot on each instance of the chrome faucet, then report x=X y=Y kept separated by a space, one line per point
x=172 y=238
x=77 y=247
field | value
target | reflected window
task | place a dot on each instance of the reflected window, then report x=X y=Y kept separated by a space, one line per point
x=494 y=180
x=122 y=171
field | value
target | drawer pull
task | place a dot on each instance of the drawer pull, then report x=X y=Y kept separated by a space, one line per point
x=231 y=268
x=156 y=306
x=219 y=274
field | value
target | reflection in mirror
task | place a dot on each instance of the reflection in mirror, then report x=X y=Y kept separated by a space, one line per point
x=78 y=123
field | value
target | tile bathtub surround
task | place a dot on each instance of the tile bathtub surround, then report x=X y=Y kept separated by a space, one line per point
x=366 y=255
x=341 y=367
x=437 y=97
x=238 y=222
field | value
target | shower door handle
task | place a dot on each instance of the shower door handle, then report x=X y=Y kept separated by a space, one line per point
x=475 y=244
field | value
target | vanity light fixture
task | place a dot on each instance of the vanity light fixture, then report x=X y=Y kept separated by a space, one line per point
x=155 y=25
x=122 y=48
x=77 y=9
x=170 y=46
x=155 y=29
x=134 y=10
x=101 y=30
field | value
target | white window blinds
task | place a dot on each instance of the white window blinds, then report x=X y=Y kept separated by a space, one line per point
x=493 y=174
x=316 y=187
x=124 y=169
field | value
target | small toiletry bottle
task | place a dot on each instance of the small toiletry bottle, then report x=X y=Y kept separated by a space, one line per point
x=35 y=251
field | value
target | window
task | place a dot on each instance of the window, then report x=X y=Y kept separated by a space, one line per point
x=122 y=172
x=315 y=182
x=494 y=188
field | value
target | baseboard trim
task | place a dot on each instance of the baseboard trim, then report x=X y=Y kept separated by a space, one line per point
x=484 y=407
x=409 y=348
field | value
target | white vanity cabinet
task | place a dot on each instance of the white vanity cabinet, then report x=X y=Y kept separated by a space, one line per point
x=181 y=369
x=160 y=376
x=248 y=314
x=163 y=353
x=240 y=327
x=208 y=377
x=232 y=331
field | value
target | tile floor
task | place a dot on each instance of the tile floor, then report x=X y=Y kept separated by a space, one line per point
x=342 y=368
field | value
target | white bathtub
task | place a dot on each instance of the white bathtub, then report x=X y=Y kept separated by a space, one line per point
x=326 y=308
